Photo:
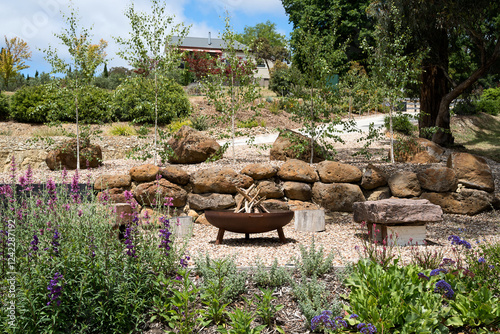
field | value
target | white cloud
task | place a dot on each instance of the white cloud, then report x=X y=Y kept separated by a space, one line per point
x=245 y=6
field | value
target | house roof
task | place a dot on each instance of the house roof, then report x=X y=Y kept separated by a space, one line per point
x=205 y=43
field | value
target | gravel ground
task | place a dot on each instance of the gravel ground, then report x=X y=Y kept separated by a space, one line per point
x=341 y=236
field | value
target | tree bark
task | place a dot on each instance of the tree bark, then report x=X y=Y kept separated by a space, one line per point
x=443 y=136
x=434 y=87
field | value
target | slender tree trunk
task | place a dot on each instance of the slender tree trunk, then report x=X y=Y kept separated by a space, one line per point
x=312 y=126
x=156 y=118
x=391 y=132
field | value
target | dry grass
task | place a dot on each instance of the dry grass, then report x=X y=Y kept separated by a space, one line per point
x=478 y=134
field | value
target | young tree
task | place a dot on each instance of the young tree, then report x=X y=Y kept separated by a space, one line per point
x=12 y=58
x=150 y=49
x=232 y=86
x=265 y=30
x=393 y=68
x=85 y=58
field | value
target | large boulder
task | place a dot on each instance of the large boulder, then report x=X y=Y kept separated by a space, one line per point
x=335 y=172
x=465 y=202
x=65 y=156
x=337 y=196
x=373 y=177
x=269 y=189
x=190 y=146
x=144 y=173
x=288 y=145
x=421 y=151
x=397 y=211
x=404 y=184
x=259 y=171
x=438 y=179
x=472 y=171
x=110 y=181
x=154 y=193
x=275 y=205
x=297 y=190
x=297 y=170
x=210 y=201
x=175 y=174
x=377 y=194
x=219 y=180
x=296 y=205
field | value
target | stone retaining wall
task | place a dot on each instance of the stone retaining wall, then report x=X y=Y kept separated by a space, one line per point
x=465 y=186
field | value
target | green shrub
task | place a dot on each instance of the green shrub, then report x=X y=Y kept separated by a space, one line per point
x=284 y=80
x=490 y=101
x=465 y=108
x=400 y=123
x=26 y=104
x=274 y=277
x=4 y=107
x=39 y=104
x=177 y=124
x=134 y=101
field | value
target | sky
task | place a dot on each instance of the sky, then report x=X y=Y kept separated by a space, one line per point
x=36 y=21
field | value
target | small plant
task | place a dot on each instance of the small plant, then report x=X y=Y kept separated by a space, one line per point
x=313 y=262
x=406 y=147
x=312 y=297
x=175 y=125
x=426 y=258
x=49 y=132
x=241 y=323
x=200 y=122
x=265 y=308
x=274 y=277
x=378 y=252
x=250 y=123
x=400 y=123
x=122 y=130
x=222 y=275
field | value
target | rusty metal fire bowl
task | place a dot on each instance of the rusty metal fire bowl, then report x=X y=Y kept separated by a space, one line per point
x=249 y=222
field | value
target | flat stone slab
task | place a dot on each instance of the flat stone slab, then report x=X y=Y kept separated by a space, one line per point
x=393 y=211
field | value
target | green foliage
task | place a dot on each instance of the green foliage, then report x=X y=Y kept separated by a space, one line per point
x=200 y=122
x=265 y=30
x=4 y=107
x=134 y=101
x=465 y=108
x=285 y=81
x=241 y=323
x=44 y=103
x=250 y=123
x=222 y=275
x=395 y=298
x=25 y=104
x=400 y=123
x=313 y=297
x=105 y=286
x=122 y=130
x=489 y=102
x=274 y=277
x=313 y=262
x=177 y=124
x=265 y=308
x=406 y=147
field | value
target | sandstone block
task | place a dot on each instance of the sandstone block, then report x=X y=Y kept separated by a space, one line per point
x=112 y=181
x=438 y=179
x=219 y=180
x=373 y=177
x=404 y=184
x=297 y=190
x=472 y=171
x=155 y=193
x=337 y=196
x=144 y=173
x=175 y=174
x=259 y=171
x=210 y=201
x=297 y=170
x=335 y=172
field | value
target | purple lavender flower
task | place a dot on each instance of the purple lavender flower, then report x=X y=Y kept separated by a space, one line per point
x=423 y=276
x=455 y=240
x=481 y=260
x=129 y=241
x=353 y=316
x=165 y=235
x=34 y=244
x=55 y=288
x=366 y=328
x=446 y=261
x=443 y=287
x=184 y=261
x=324 y=321
x=436 y=272
x=13 y=169
x=75 y=188
x=55 y=242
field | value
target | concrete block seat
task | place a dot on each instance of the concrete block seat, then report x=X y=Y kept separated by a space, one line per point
x=404 y=219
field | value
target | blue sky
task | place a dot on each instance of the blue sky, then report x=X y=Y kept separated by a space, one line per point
x=36 y=21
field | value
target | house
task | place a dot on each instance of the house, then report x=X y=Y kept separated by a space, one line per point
x=215 y=47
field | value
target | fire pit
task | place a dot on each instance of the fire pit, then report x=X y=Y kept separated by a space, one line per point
x=249 y=222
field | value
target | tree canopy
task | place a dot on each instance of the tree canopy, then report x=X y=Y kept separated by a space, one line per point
x=265 y=30
x=340 y=23
x=12 y=58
